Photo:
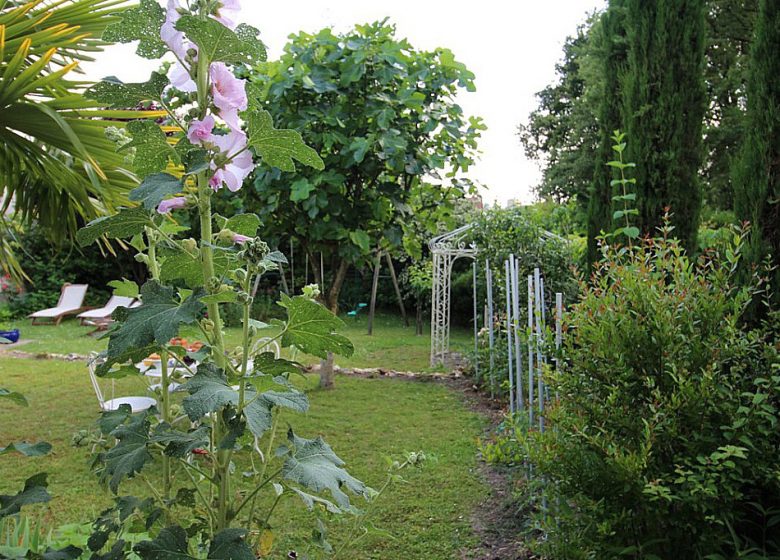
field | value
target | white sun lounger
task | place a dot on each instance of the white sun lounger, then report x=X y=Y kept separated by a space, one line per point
x=106 y=311
x=71 y=303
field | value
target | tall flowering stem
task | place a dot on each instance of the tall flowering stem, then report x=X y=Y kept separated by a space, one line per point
x=227 y=391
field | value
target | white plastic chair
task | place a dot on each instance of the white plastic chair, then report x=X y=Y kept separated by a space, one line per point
x=261 y=345
x=137 y=404
x=264 y=344
x=71 y=302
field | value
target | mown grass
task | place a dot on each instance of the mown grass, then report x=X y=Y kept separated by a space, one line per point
x=392 y=345
x=365 y=420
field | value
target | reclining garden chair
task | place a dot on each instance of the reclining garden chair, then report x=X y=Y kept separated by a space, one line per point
x=104 y=313
x=101 y=318
x=71 y=303
x=137 y=404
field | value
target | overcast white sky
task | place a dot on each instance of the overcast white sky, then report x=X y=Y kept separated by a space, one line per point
x=511 y=46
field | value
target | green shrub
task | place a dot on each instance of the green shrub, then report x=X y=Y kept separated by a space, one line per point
x=664 y=438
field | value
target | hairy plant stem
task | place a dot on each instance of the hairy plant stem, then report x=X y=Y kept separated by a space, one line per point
x=166 y=415
x=154 y=271
x=266 y=459
x=222 y=463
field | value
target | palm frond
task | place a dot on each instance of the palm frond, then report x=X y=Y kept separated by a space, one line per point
x=57 y=166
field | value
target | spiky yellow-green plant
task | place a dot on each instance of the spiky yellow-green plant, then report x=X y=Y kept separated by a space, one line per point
x=56 y=165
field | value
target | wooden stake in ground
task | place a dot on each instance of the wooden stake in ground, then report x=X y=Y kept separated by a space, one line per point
x=285 y=287
x=397 y=288
x=374 y=285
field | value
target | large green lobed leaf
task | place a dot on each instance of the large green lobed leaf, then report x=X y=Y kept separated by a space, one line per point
x=313 y=464
x=118 y=95
x=142 y=24
x=312 y=328
x=279 y=147
x=152 y=324
x=126 y=223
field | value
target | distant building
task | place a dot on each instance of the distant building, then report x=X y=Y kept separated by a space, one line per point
x=475 y=201
x=512 y=202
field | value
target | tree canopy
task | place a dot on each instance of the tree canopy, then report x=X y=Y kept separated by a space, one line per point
x=384 y=118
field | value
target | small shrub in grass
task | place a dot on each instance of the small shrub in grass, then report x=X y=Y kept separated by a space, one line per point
x=664 y=440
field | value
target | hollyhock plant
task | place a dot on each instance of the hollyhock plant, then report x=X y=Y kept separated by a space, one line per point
x=229 y=413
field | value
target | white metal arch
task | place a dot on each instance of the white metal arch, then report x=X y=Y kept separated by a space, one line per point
x=446 y=249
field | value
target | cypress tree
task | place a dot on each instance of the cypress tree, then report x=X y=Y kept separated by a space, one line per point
x=610 y=47
x=756 y=176
x=663 y=108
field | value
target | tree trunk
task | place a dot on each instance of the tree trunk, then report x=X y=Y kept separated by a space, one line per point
x=315 y=268
x=397 y=288
x=332 y=296
x=374 y=285
x=332 y=302
x=326 y=372
x=285 y=287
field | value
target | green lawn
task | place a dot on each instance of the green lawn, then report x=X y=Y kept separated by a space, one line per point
x=365 y=420
x=392 y=345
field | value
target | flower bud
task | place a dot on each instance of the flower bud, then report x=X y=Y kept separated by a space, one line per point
x=225 y=236
x=311 y=291
x=214 y=286
x=191 y=246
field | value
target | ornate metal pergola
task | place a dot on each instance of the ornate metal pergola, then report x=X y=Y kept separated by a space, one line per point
x=446 y=249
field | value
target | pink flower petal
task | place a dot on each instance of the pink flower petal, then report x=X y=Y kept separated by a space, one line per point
x=232 y=175
x=226 y=13
x=174 y=203
x=180 y=78
x=238 y=238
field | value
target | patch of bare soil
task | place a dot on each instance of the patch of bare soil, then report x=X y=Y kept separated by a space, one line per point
x=496 y=521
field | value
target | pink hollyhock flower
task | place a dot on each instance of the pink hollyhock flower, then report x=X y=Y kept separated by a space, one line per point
x=172 y=204
x=168 y=32
x=200 y=131
x=227 y=10
x=180 y=78
x=240 y=239
x=232 y=175
x=229 y=94
x=178 y=75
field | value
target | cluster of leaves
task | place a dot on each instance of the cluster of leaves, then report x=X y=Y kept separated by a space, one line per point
x=624 y=197
x=499 y=232
x=563 y=134
x=665 y=424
